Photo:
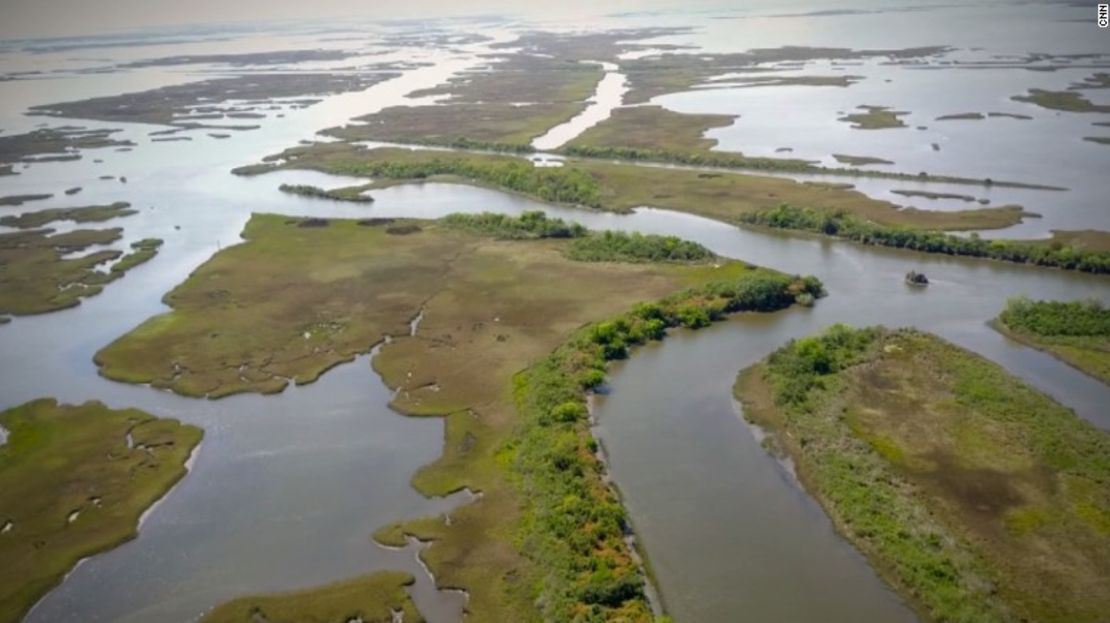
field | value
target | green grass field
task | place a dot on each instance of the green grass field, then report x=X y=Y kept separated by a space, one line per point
x=72 y=485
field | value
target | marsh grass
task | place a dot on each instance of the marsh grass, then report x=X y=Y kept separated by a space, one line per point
x=35 y=277
x=84 y=214
x=977 y=497
x=71 y=487
x=370 y=599
x=497 y=295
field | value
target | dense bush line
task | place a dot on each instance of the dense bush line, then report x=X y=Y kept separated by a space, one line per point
x=615 y=246
x=726 y=160
x=858 y=487
x=555 y=184
x=844 y=225
x=575 y=526
x=532 y=224
x=1047 y=318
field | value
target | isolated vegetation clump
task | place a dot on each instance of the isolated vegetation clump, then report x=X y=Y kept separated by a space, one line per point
x=1047 y=318
x=532 y=224
x=616 y=246
x=575 y=526
x=844 y=225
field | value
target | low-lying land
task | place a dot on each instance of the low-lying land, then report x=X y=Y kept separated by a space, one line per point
x=859 y=161
x=725 y=196
x=496 y=295
x=279 y=57
x=1076 y=332
x=1086 y=251
x=36 y=277
x=64 y=140
x=18 y=200
x=346 y=193
x=370 y=599
x=875 y=118
x=1068 y=101
x=652 y=76
x=73 y=482
x=84 y=214
x=655 y=134
x=503 y=106
x=977 y=497
x=183 y=102
x=653 y=128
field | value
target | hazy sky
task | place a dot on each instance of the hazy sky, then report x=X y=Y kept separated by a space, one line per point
x=35 y=18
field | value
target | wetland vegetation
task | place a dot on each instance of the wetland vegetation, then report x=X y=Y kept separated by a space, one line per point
x=84 y=214
x=37 y=276
x=1068 y=101
x=875 y=118
x=74 y=480
x=497 y=295
x=615 y=187
x=1076 y=332
x=1066 y=250
x=373 y=598
x=977 y=497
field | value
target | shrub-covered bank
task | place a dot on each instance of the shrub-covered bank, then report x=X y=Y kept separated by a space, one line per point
x=974 y=495
x=846 y=226
x=1076 y=332
x=574 y=527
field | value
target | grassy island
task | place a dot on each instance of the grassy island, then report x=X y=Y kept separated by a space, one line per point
x=496 y=296
x=369 y=599
x=875 y=118
x=1076 y=332
x=85 y=214
x=974 y=495
x=73 y=482
x=36 y=277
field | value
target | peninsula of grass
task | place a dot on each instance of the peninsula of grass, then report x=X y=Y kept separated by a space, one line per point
x=653 y=76
x=373 y=598
x=502 y=107
x=964 y=116
x=18 y=200
x=64 y=141
x=355 y=194
x=198 y=100
x=1100 y=140
x=655 y=134
x=1076 y=332
x=875 y=118
x=653 y=128
x=85 y=214
x=1068 y=101
x=74 y=481
x=859 y=161
x=36 y=277
x=1086 y=251
x=545 y=541
x=617 y=187
x=975 y=496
